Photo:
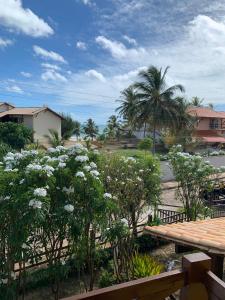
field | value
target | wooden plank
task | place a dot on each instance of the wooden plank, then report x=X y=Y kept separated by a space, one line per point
x=155 y=287
x=215 y=286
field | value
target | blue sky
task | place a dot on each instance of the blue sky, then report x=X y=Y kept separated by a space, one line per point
x=77 y=55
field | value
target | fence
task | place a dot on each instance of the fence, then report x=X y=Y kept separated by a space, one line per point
x=194 y=281
x=170 y=216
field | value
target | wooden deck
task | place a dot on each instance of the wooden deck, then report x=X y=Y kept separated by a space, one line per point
x=195 y=282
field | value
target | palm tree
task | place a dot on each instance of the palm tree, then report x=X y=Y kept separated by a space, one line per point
x=90 y=129
x=69 y=127
x=113 y=127
x=157 y=105
x=210 y=105
x=54 y=138
x=196 y=101
x=129 y=106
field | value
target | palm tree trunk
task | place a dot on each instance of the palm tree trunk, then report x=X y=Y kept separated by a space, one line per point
x=154 y=139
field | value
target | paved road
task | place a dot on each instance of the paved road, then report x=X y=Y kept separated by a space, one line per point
x=167 y=174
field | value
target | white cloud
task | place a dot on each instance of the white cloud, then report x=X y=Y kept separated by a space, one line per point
x=50 y=66
x=5 y=42
x=94 y=74
x=118 y=50
x=53 y=75
x=87 y=2
x=130 y=40
x=26 y=74
x=15 y=17
x=45 y=54
x=15 y=89
x=81 y=45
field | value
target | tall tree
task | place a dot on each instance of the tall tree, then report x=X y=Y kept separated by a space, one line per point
x=129 y=106
x=69 y=127
x=113 y=127
x=157 y=105
x=196 y=101
x=90 y=129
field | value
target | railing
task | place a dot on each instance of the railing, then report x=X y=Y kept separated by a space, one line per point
x=170 y=216
x=195 y=281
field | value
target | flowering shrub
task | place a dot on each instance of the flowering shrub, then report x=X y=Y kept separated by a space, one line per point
x=134 y=184
x=47 y=200
x=194 y=177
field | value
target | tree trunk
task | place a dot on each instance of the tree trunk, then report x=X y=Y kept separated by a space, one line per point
x=144 y=129
x=154 y=138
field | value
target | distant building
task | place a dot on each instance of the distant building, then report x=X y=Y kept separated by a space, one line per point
x=210 y=125
x=39 y=119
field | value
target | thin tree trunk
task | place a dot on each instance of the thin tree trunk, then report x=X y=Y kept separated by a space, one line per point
x=154 y=138
x=144 y=129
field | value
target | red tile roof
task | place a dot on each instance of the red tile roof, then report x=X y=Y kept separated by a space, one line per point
x=205 y=234
x=205 y=112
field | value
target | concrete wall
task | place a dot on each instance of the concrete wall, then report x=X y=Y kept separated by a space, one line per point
x=203 y=124
x=44 y=121
x=28 y=121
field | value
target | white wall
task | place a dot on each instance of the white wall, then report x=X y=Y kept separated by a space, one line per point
x=28 y=121
x=44 y=121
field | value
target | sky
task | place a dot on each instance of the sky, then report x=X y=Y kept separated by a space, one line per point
x=76 y=56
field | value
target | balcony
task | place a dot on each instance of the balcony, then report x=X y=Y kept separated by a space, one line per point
x=194 y=282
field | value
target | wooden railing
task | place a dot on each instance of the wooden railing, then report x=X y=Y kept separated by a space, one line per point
x=194 y=282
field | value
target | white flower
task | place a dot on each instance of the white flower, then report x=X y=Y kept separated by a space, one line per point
x=33 y=167
x=69 y=190
x=11 y=183
x=22 y=181
x=82 y=158
x=80 y=174
x=69 y=207
x=48 y=169
x=107 y=196
x=93 y=165
x=87 y=168
x=63 y=158
x=94 y=173
x=7 y=197
x=108 y=178
x=62 y=165
x=51 y=150
x=139 y=178
x=41 y=192
x=35 y=204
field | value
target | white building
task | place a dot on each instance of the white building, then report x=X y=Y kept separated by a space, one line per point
x=39 y=119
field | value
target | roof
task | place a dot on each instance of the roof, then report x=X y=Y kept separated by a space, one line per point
x=28 y=111
x=6 y=103
x=209 y=136
x=205 y=112
x=207 y=234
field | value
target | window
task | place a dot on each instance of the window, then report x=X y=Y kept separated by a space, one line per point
x=214 y=124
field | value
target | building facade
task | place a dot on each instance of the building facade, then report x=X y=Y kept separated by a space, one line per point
x=39 y=119
x=209 y=126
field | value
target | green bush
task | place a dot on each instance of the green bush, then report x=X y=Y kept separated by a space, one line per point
x=106 y=279
x=4 y=149
x=145 y=265
x=145 y=144
x=15 y=135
